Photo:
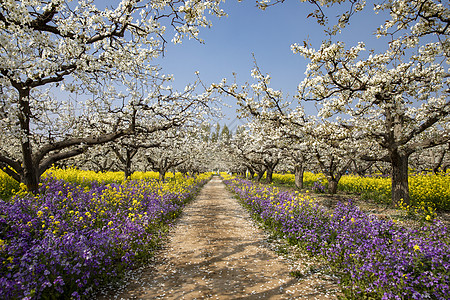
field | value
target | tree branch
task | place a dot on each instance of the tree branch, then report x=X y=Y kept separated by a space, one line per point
x=371 y=158
x=9 y=171
x=91 y=140
x=14 y=164
x=46 y=163
x=436 y=117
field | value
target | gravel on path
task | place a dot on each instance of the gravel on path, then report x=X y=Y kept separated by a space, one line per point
x=216 y=252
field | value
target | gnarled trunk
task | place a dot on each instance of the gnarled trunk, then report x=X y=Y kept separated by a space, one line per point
x=298 y=176
x=30 y=174
x=127 y=172
x=128 y=164
x=332 y=185
x=260 y=175
x=269 y=173
x=162 y=175
x=31 y=178
x=399 y=176
x=270 y=167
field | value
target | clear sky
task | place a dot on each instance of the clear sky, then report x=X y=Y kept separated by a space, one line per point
x=268 y=34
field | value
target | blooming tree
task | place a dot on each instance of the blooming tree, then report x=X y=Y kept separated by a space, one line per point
x=82 y=50
x=334 y=152
x=260 y=148
x=276 y=120
x=395 y=102
x=175 y=146
x=100 y=158
x=436 y=159
x=398 y=98
x=244 y=161
x=125 y=150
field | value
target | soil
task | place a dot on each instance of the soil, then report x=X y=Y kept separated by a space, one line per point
x=217 y=252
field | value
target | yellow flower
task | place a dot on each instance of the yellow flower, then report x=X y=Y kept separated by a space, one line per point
x=416 y=248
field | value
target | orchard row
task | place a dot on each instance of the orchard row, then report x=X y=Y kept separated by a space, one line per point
x=74 y=237
x=81 y=85
x=373 y=258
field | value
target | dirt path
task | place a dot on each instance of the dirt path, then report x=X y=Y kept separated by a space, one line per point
x=216 y=252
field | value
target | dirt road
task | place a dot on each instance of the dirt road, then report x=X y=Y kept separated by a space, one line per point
x=216 y=252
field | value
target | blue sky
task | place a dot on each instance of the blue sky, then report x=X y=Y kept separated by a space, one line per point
x=230 y=42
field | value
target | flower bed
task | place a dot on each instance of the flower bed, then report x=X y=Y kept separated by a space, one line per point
x=70 y=239
x=8 y=186
x=428 y=191
x=373 y=258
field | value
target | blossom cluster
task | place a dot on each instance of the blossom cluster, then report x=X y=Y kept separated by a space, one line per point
x=71 y=238
x=373 y=258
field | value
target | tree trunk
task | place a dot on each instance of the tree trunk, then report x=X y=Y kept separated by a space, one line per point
x=400 y=188
x=332 y=185
x=30 y=169
x=260 y=175
x=162 y=175
x=128 y=164
x=31 y=178
x=270 y=167
x=127 y=172
x=298 y=173
x=269 y=173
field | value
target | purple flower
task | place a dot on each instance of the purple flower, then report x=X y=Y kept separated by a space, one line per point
x=68 y=240
x=373 y=258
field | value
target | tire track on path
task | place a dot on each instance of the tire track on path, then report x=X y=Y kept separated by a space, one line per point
x=216 y=252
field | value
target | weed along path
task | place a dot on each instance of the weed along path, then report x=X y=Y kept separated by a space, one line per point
x=216 y=252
